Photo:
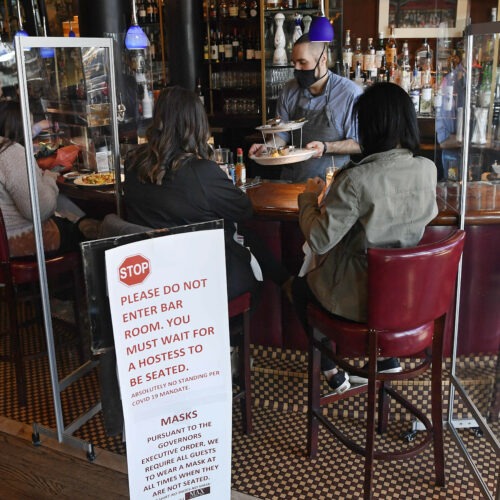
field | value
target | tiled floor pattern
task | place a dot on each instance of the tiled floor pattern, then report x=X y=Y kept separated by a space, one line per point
x=271 y=463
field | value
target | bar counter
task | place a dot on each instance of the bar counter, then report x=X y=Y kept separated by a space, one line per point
x=274 y=322
x=271 y=200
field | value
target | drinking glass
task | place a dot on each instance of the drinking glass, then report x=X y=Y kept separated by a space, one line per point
x=331 y=172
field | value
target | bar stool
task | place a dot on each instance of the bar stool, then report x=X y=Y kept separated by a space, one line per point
x=410 y=292
x=16 y=274
x=240 y=306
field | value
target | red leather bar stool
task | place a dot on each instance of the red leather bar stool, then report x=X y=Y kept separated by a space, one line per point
x=240 y=306
x=20 y=280
x=410 y=292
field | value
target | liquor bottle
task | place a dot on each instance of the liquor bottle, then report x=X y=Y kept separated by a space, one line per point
x=233 y=8
x=405 y=68
x=141 y=12
x=221 y=47
x=426 y=94
x=147 y=104
x=383 y=71
x=369 y=57
x=212 y=10
x=347 y=51
x=149 y=12
x=253 y=8
x=424 y=56
x=380 y=49
x=358 y=77
x=228 y=47
x=391 y=50
x=206 y=50
x=357 y=55
x=241 y=171
x=236 y=45
x=243 y=10
x=156 y=14
x=223 y=9
x=249 y=50
x=415 y=89
x=214 y=48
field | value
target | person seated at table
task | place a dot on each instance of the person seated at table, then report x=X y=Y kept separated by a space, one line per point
x=384 y=200
x=171 y=180
x=60 y=234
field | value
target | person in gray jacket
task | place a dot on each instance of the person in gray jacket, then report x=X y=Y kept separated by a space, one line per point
x=385 y=200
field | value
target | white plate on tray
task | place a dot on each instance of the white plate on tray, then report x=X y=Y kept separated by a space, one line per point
x=293 y=157
x=102 y=180
x=282 y=127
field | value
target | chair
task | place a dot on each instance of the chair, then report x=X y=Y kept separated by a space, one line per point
x=240 y=306
x=113 y=225
x=17 y=274
x=410 y=292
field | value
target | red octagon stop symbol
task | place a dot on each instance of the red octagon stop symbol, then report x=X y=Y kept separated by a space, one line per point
x=134 y=270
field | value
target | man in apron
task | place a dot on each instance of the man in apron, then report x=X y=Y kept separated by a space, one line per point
x=325 y=101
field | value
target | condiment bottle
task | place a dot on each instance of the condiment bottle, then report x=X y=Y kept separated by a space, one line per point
x=241 y=171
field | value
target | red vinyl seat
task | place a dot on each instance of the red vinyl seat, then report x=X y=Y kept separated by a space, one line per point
x=240 y=306
x=410 y=293
x=20 y=280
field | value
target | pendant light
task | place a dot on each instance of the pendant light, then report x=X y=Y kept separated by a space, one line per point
x=71 y=33
x=135 y=39
x=20 y=31
x=46 y=52
x=321 y=29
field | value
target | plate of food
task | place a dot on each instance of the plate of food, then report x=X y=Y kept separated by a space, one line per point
x=283 y=156
x=97 y=179
x=281 y=126
x=71 y=176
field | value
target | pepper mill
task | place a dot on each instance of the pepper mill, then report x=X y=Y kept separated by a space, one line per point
x=307 y=23
x=279 y=57
x=297 y=32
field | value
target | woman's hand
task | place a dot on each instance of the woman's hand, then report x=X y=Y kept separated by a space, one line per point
x=315 y=186
x=319 y=148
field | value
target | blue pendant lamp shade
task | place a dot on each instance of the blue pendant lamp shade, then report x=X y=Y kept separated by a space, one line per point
x=71 y=33
x=46 y=52
x=135 y=39
x=321 y=30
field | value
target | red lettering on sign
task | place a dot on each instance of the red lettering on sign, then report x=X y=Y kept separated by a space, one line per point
x=134 y=270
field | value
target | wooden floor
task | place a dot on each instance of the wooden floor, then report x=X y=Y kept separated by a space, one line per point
x=55 y=470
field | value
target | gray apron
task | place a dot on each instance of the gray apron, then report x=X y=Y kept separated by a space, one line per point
x=319 y=127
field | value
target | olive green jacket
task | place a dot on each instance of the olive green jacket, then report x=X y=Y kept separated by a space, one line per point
x=385 y=200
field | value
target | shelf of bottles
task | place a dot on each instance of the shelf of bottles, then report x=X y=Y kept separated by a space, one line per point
x=284 y=22
x=232 y=54
x=150 y=14
x=420 y=73
x=478 y=158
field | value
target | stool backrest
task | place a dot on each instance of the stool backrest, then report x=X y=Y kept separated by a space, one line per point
x=409 y=287
x=4 y=242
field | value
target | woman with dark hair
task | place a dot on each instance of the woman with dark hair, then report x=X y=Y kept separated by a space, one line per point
x=59 y=233
x=171 y=180
x=385 y=200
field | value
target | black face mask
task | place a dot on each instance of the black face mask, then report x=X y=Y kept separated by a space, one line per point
x=306 y=77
